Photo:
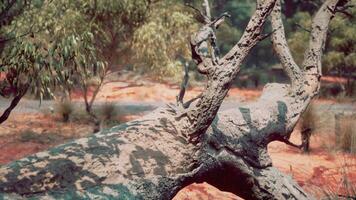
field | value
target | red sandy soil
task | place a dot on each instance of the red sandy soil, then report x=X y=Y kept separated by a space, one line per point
x=315 y=172
x=318 y=172
x=153 y=92
x=333 y=79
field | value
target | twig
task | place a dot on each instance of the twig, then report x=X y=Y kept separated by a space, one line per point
x=303 y=28
x=206 y=20
x=291 y=143
x=207 y=9
x=263 y=37
x=184 y=85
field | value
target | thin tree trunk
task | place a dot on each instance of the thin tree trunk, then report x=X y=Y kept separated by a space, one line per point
x=5 y=115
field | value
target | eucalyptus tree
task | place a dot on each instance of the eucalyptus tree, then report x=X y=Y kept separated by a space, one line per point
x=63 y=44
x=155 y=156
x=113 y=26
x=49 y=42
x=161 y=44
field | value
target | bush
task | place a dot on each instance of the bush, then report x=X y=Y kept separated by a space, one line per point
x=108 y=112
x=108 y=115
x=65 y=109
x=28 y=135
x=308 y=125
x=346 y=133
x=81 y=116
x=44 y=138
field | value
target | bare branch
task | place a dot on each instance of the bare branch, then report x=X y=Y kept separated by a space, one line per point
x=343 y=9
x=220 y=19
x=312 y=57
x=288 y=142
x=206 y=20
x=281 y=48
x=207 y=9
x=221 y=72
x=303 y=28
x=251 y=35
x=184 y=85
x=265 y=36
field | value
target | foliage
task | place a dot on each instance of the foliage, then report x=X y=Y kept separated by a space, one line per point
x=116 y=22
x=50 y=42
x=230 y=32
x=59 y=44
x=340 y=56
x=299 y=39
x=162 y=43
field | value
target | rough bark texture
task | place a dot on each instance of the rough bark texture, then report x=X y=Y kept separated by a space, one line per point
x=16 y=99
x=159 y=154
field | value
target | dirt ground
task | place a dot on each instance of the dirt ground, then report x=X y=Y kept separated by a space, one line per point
x=319 y=172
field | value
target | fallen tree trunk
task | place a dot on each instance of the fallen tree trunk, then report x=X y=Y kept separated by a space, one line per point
x=145 y=159
x=159 y=154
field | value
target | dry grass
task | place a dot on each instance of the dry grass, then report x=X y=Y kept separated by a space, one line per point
x=43 y=138
x=345 y=188
x=308 y=126
x=65 y=109
x=109 y=115
x=108 y=111
x=309 y=118
x=347 y=134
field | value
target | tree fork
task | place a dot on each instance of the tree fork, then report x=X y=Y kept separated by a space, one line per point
x=151 y=158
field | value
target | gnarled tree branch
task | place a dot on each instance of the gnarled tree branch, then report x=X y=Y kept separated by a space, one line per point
x=201 y=114
x=151 y=158
x=281 y=48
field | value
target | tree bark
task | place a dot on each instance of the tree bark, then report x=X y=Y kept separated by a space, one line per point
x=17 y=98
x=159 y=154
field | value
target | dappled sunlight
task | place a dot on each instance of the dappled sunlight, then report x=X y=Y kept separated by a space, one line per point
x=177 y=99
x=318 y=170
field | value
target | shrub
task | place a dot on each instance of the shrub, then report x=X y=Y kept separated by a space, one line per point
x=44 y=138
x=346 y=133
x=81 y=116
x=65 y=109
x=108 y=115
x=308 y=125
x=28 y=135
x=108 y=112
